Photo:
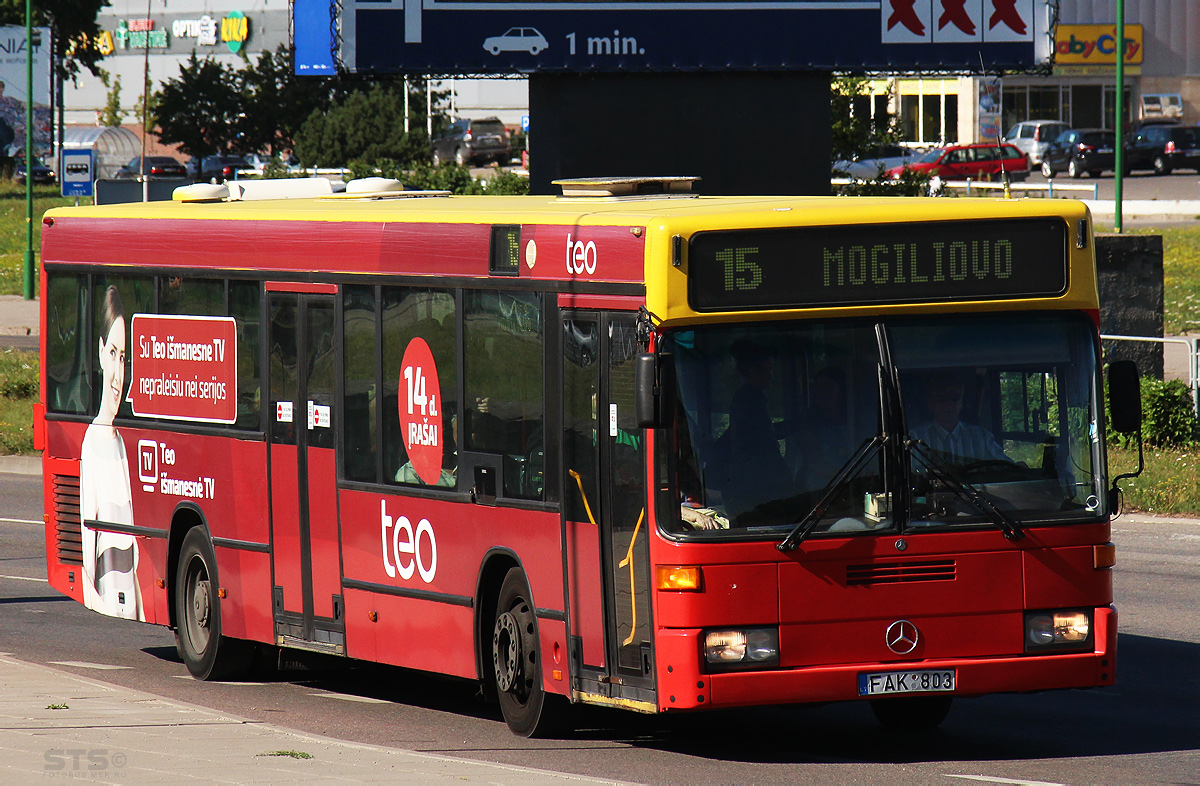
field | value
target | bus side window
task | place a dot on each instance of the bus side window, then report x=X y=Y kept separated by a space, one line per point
x=503 y=341
x=137 y=297
x=68 y=387
x=361 y=406
x=428 y=315
x=244 y=298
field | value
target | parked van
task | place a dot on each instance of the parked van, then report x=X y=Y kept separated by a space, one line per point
x=1032 y=137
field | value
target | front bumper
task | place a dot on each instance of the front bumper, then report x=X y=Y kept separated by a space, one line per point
x=684 y=685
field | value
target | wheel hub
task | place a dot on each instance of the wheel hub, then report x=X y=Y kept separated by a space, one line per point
x=200 y=606
x=506 y=651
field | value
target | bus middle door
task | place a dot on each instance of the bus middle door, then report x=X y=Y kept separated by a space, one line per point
x=305 y=551
x=604 y=493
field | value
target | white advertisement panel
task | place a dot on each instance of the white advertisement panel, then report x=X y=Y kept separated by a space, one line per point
x=14 y=92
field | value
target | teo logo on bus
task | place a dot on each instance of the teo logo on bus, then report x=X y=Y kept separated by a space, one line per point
x=407 y=549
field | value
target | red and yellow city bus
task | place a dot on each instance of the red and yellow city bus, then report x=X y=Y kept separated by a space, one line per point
x=628 y=446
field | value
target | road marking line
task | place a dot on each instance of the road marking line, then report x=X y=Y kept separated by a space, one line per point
x=990 y=779
x=25 y=578
x=343 y=697
x=190 y=678
x=84 y=665
x=19 y=521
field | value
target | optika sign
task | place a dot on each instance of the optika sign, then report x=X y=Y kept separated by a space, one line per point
x=1095 y=45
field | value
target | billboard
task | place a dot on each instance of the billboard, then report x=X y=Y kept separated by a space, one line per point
x=575 y=36
x=1084 y=45
x=13 y=91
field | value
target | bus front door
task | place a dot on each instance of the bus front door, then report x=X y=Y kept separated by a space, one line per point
x=604 y=502
x=305 y=556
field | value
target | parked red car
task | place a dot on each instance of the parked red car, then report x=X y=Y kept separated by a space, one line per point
x=958 y=162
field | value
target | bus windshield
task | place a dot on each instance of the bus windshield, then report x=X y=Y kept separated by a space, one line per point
x=778 y=422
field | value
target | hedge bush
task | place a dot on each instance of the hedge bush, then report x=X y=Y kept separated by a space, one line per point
x=1168 y=416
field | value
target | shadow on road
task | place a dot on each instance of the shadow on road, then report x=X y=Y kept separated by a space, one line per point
x=1151 y=709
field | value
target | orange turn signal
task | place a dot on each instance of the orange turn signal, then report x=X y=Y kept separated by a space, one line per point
x=1104 y=556
x=679 y=578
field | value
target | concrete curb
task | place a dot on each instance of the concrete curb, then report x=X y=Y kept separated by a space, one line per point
x=1145 y=208
x=21 y=465
x=58 y=724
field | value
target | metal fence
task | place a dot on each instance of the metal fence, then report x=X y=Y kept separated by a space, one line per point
x=1193 y=350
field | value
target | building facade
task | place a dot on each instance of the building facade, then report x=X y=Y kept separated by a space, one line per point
x=1162 y=78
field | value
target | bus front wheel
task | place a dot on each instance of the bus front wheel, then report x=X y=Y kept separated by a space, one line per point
x=915 y=712
x=516 y=664
x=207 y=654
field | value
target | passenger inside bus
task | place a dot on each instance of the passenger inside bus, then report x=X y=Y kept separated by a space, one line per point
x=447 y=478
x=757 y=468
x=946 y=433
x=825 y=441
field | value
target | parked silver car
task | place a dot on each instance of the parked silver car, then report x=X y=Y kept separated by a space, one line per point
x=1032 y=137
x=874 y=161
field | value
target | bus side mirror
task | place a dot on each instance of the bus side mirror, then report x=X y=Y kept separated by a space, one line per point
x=654 y=389
x=1124 y=396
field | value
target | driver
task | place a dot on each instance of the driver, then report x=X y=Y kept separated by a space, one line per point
x=946 y=433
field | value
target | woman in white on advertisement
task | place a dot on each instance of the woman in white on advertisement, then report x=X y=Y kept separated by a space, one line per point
x=109 y=558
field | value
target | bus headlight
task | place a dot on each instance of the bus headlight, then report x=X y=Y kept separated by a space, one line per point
x=1066 y=629
x=743 y=648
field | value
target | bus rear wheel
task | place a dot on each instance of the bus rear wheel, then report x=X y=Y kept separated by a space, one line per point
x=912 y=712
x=516 y=664
x=207 y=654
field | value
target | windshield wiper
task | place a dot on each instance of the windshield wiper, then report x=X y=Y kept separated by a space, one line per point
x=849 y=470
x=943 y=471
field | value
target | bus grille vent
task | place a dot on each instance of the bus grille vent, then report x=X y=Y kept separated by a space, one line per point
x=899 y=572
x=68 y=537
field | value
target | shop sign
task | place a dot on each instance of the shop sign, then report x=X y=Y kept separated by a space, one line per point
x=235 y=29
x=140 y=34
x=204 y=30
x=1086 y=45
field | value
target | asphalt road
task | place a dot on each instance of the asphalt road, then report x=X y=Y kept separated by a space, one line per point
x=1183 y=185
x=1146 y=729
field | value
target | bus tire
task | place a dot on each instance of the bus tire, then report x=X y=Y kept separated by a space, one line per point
x=207 y=654
x=516 y=664
x=912 y=712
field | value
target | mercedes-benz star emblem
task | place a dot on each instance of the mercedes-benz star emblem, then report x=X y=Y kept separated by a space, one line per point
x=902 y=637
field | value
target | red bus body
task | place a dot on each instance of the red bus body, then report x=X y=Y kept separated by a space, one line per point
x=409 y=576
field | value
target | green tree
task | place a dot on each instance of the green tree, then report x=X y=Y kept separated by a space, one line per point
x=275 y=102
x=112 y=114
x=199 y=110
x=853 y=129
x=73 y=24
x=365 y=127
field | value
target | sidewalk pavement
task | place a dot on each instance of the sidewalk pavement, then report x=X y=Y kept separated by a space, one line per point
x=18 y=316
x=1165 y=209
x=59 y=725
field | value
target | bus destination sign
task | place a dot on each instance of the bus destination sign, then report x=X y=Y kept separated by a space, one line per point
x=877 y=263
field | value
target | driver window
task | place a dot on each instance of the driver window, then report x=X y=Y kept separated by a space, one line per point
x=949 y=421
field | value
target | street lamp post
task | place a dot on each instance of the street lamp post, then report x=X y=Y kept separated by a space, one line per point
x=1119 y=109
x=28 y=288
